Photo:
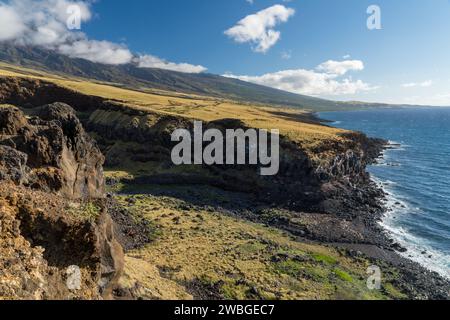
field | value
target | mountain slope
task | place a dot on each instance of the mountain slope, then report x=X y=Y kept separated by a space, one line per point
x=133 y=77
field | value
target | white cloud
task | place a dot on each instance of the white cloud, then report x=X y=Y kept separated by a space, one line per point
x=341 y=67
x=149 y=61
x=258 y=29
x=97 y=51
x=440 y=99
x=11 y=25
x=312 y=82
x=44 y=23
x=424 y=84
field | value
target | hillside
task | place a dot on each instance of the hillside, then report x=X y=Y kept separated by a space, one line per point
x=130 y=76
x=297 y=124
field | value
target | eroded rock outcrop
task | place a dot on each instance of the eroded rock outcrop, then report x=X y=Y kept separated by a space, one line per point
x=59 y=155
x=57 y=240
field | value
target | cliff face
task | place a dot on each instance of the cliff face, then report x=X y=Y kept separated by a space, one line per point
x=330 y=178
x=28 y=93
x=53 y=217
x=304 y=182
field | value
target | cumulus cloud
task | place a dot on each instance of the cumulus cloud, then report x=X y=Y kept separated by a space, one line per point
x=97 y=51
x=45 y=23
x=42 y=22
x=149 y=61
x=11 y=25
x=341 y=67
x=325 y=80
x=424 y=84
x=258 y=29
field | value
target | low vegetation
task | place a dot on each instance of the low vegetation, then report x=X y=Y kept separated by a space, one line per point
x=206 y=253
x=88 y=211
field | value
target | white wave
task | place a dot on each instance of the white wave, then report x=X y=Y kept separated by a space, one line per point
x=418 y=250
x=397 y=146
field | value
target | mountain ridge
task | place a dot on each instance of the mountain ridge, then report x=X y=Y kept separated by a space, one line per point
x=133 y=77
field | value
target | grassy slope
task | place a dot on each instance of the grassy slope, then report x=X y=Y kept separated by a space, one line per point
x=198 y=253
x=133 y=77
x=289 y=121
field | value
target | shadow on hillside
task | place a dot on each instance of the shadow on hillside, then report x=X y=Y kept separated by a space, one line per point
x=196 y=195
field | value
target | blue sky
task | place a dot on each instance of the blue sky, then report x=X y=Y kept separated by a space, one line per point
x=404 y=62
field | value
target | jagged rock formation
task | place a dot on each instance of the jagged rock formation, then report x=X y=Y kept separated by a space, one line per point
x=52 y=209
x=50 y=152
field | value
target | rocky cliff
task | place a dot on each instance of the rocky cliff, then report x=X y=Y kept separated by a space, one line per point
x=304 y=182
x=53 y=218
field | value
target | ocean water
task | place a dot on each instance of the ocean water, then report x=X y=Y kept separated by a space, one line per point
x=415 y=174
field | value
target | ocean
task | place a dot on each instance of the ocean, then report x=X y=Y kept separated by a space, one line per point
x=415 y=174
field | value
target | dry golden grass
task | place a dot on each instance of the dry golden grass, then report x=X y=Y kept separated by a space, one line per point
x=289 y=121
x=208 y=247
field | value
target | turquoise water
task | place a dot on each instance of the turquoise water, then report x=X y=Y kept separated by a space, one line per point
x=416 y=176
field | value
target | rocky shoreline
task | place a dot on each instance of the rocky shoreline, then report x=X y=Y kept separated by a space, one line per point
x=378 y=245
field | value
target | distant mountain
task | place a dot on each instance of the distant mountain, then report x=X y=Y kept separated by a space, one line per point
x=133 y=77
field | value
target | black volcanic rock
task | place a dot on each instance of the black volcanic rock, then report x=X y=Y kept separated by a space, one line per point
x=13 y=164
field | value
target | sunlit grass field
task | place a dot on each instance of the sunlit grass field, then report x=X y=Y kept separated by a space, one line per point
x=291 y=122
x=197 y=250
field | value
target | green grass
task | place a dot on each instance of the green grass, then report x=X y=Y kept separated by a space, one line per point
x=237 y=259
x=324 y=258
x=289 y=267
x=343 y=275
x=88 y=211
x=394 y=292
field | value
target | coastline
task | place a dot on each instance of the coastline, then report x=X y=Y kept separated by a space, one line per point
x=420 y=254
x=389 y=247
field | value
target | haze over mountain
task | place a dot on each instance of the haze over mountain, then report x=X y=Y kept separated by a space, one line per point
x=134 y=77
